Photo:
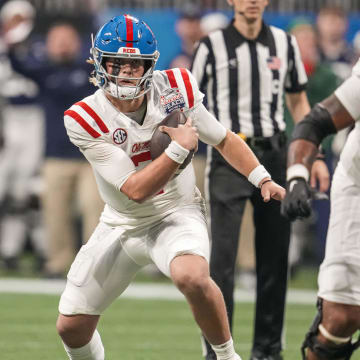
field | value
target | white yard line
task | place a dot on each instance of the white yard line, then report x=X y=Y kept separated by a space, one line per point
x=138 y=290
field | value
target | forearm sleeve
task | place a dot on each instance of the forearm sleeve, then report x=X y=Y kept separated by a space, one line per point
x=110 y=162
x=210 y=130
x=315 y=126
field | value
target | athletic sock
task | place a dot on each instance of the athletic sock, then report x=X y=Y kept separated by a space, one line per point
x=94 y=350
x=226 y=351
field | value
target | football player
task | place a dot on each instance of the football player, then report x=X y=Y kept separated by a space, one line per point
x=150 y=216
x=338 y=318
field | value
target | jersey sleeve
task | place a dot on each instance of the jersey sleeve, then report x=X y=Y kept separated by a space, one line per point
x=349 y=93
x=111 y=162
x=296 y=79
x=200 y=62
x=183 y=80
x=88 y=132
x=84 y=126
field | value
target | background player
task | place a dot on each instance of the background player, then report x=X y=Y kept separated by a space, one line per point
x=150 y=216
x=338 y=315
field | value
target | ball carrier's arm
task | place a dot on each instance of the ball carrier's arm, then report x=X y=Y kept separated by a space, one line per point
x=148 y=181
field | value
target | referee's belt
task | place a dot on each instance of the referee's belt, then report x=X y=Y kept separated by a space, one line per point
x=277 y=141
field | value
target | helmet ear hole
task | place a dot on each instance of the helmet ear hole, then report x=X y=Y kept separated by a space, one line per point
x=147 y=65
x=103 y=63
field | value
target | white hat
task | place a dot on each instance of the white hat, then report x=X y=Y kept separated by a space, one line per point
x=356 y=41
x=22 y=30
x=213 y=21
x=17 y=7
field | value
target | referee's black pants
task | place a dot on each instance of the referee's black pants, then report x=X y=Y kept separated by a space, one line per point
x=228 y=192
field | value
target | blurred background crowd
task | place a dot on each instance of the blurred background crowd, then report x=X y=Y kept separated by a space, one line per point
x=49 y=204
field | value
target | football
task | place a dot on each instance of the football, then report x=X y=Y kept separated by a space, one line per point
x=160 y=141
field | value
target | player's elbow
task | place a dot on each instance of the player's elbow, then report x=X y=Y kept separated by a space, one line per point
x=133 y=192
x=138 y=197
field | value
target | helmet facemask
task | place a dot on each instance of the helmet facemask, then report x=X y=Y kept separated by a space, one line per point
x=113 y=84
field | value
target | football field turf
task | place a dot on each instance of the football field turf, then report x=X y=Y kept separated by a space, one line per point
x=131 y=329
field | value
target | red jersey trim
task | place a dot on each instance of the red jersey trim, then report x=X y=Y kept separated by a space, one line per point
x=82 y=123
x=171 y=77
x=94 y=115
x=188 y=87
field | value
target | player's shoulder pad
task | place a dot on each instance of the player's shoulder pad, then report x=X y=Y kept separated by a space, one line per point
x=182 y=80
x=84 y=120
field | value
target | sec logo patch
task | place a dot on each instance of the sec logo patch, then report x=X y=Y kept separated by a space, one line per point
x=119 y=136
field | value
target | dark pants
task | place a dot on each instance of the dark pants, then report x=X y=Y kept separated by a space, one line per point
x=228 y=192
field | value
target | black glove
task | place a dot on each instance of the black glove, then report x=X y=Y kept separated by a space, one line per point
x=297 y=201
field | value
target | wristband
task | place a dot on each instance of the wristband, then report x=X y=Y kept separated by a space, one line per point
x=297 y=171
x=264 y=182
x=257 y=175
x=176 y=152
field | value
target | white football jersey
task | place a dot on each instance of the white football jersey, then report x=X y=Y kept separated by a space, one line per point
x=116 y=146
x=349 y=95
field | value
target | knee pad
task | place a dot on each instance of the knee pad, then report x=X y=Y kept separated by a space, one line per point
x=342 y=348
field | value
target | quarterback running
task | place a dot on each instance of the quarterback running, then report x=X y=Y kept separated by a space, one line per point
x=338 y=318
x=154 y=213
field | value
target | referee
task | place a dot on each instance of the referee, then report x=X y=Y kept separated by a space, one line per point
x=244 y=71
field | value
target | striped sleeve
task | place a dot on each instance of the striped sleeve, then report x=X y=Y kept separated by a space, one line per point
x=296 y=79
x=183 y=80
x=199 y=63
x=84 y=125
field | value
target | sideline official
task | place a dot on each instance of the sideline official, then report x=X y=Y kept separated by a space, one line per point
x=244 y=71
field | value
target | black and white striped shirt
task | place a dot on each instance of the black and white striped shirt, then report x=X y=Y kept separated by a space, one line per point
x=244 y=80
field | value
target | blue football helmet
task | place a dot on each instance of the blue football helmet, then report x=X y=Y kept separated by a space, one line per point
x=124 y=37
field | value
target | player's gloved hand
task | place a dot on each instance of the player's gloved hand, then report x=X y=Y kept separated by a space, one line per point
x=297 y=201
